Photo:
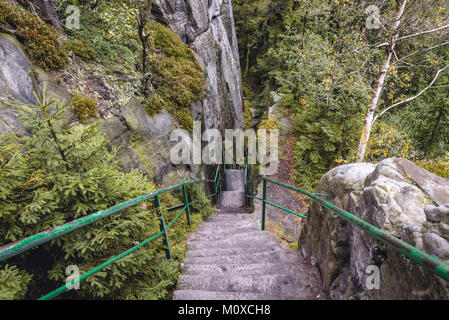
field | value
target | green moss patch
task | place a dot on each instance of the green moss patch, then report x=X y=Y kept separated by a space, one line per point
x=40 y=39
x=177 y=76
x=83 y=106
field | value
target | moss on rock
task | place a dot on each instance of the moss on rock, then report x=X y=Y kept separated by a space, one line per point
x=40 y=39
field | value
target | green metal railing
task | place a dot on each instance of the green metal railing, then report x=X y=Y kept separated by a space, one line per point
x=427 y=261
x=18 y=247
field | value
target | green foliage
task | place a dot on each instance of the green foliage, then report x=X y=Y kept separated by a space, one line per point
x=176 y=76
x=108 y=36
x=305 y=55
x=203 y=206
x=439 y=166
x=40 y=39
x=80 y=49
x=388 y=142
x=13 y=283
x=258 y=23
x=247 y=114
x=426 y=120
x=57 y=175
x=83 y=106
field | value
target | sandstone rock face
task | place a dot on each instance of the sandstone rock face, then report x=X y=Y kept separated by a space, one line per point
x=145 y=143
x=396 y=196
x=15 y=82
x=208 y=27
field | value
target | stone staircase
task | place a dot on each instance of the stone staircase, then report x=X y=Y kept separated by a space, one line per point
x=234 y=196
x=230 y=258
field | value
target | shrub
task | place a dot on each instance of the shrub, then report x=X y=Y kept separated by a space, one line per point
x=247 y=114
x=40 y=39
x=83 y=106
x=203 y=206
x=13 y=283
x=110 y=37
x=439 y=166
x=388 y=142
x=80 y=49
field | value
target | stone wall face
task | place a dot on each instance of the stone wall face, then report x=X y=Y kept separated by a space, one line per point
x=396 y=196
x=208 y=28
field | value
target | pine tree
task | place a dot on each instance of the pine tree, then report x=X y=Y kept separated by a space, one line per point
x=56 y=175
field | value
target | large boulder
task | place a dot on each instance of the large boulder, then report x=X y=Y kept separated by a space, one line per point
x=397 y=196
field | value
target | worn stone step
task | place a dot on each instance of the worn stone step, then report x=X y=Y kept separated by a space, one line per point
x=205 y=252
x=227 y=211
x=229 y=243
x=244 y=235
x=236 y=241
x=229 y=223
x=224 y=296
x=241 y=270
x=276 y=256
x=231 y=199
x=235 y=180
x=272 y=284
x=231 y=216
x=222 y=234
x=216 y=225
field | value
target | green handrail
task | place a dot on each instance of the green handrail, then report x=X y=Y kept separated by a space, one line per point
x=427 y=261
x=18 y=247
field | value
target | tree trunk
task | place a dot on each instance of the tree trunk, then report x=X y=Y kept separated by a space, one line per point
x=370 y=115
x=47 y=12
x=369 y=118
x=143 y=18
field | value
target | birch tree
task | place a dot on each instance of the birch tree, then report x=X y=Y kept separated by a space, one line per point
x=413 y=34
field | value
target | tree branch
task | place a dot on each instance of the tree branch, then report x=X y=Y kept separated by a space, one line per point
x=413 y=97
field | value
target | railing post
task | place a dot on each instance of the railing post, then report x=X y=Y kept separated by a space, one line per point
x=252 y=196
x=157 y=205
x=186 y=203
x=263 y=202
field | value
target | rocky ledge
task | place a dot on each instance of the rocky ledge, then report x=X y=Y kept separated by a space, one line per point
x=396 y=196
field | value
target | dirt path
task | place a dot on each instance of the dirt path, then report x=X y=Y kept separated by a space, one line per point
x=285 y=226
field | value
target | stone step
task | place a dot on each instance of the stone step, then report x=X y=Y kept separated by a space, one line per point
x=247 y=235
x=236 y=241
x=229 y=243
x=246 y=249
x=220 y=234
x=231 y=251
x=223 y=296
x=231 y=199
x=227 y=211
x=226 y=225
x=241 y=270
x=276 y=256
x=235 y=180
x=272 y=284
x=231 y=216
